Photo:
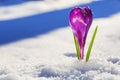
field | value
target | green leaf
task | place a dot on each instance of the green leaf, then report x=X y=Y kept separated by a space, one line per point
x=77 y=47
x=91 y=44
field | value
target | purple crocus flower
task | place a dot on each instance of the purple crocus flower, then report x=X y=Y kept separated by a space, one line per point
x=80 y=20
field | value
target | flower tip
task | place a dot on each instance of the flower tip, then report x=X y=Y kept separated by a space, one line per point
x=86 y=7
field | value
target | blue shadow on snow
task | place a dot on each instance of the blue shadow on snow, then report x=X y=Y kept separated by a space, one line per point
x=27 y=27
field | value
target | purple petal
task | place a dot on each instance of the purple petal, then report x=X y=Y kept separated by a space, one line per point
x=89 y=18
x=80 y=20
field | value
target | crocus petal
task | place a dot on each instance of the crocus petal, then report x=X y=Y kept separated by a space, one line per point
x=89 y=18
x=80 y=20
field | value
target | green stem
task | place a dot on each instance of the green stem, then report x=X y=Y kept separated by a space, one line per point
x=91 y=44
x=77 y=47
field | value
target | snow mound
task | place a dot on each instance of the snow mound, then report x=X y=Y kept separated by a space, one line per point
x=93 y=70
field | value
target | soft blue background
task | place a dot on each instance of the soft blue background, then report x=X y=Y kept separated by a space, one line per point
x=27 y=27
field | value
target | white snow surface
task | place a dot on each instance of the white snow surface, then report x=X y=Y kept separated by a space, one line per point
x=52 y=56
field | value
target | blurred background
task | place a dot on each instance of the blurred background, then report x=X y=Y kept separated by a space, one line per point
x=22 y=19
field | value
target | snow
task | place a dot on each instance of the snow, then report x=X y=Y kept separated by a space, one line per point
x=51 y=55
x=33 y=7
